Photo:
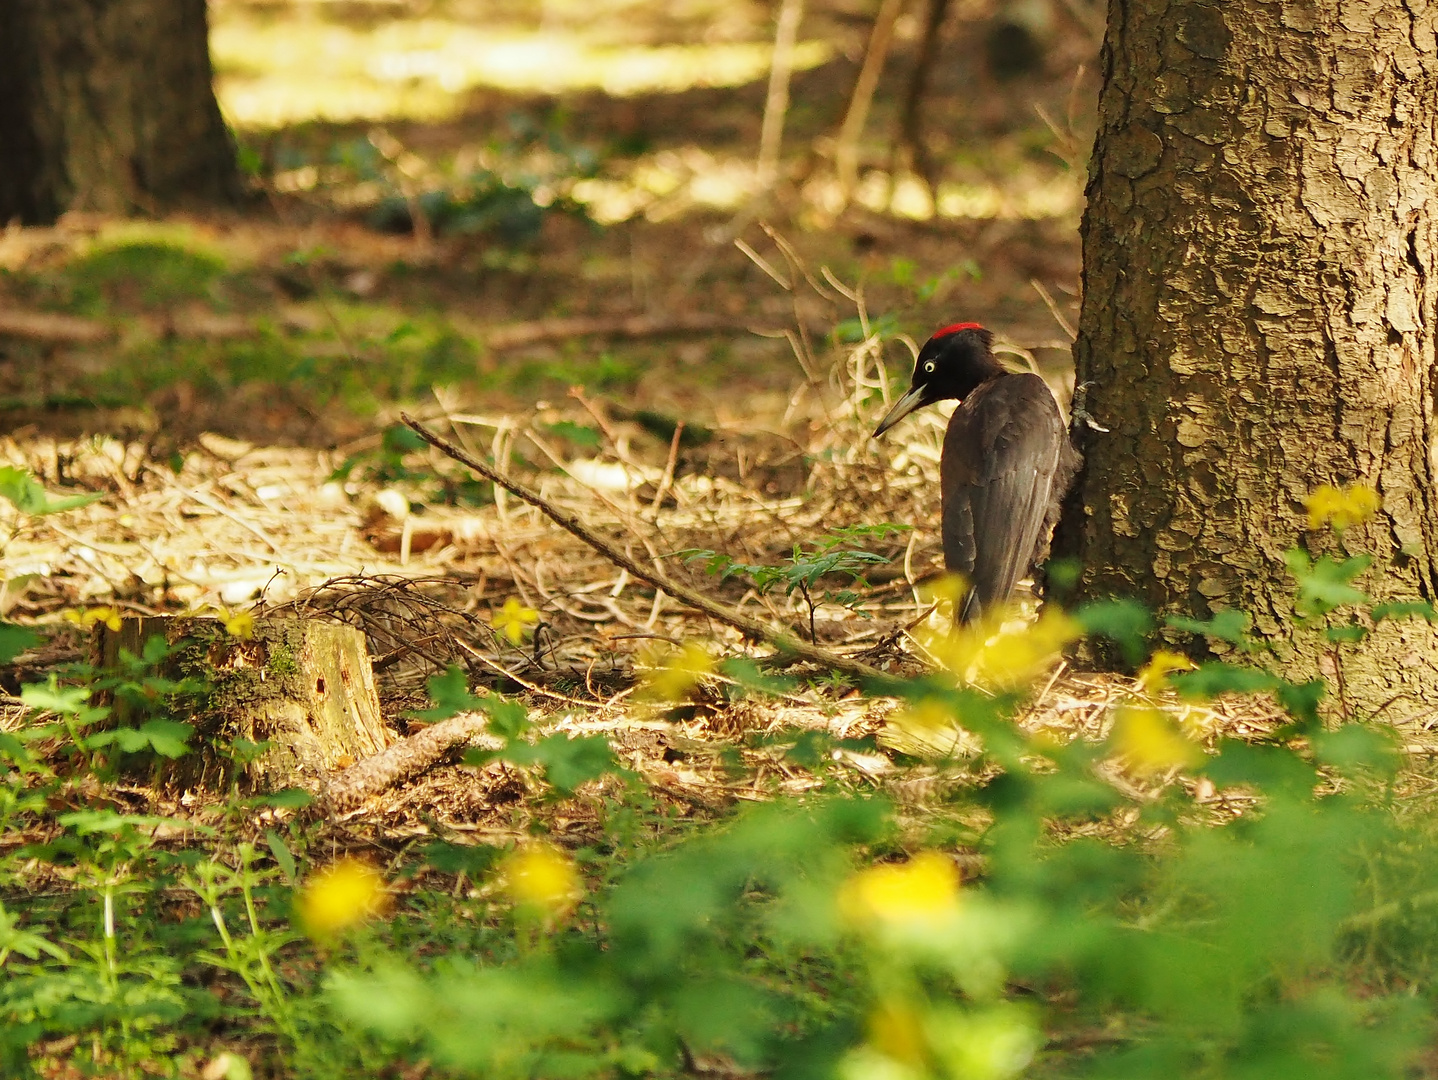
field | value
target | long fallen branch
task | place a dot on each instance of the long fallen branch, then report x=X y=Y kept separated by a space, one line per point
x=753 y=628
x=515 y=335
x=54 y=328
x=50 y=327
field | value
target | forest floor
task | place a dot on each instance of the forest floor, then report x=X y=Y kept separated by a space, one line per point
x=686 y=361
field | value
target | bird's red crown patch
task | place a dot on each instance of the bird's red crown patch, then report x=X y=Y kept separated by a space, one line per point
x=955 y=328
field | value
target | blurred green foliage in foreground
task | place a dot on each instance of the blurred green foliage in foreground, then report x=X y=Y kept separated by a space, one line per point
x=1141 y=905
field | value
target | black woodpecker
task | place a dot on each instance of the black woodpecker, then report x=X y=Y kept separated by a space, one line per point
x=1007 y=461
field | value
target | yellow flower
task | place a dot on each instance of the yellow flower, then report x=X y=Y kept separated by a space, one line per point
x=947 y=589
x=543 y=879
x=240 y=625
x=923 y=890
x=985 y=651
x=983 y=1044
x=676 y=674
x=1151 y=742
x=928 y=719
x=929 y=728
x=90 y=616
x=342 y=895
x=1341 y=506
x=897 y=1031
x=1160 y=666
x=514 y=620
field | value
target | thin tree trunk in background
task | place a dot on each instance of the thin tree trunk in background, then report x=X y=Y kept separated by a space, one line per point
x=776 y=103
x=107 y=105
x=911 y=117
x=1260 y=297
x=846 y=146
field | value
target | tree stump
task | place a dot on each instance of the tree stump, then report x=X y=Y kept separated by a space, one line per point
x=300 y=687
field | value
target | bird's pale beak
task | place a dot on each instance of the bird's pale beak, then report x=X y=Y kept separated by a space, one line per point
x=914 y=399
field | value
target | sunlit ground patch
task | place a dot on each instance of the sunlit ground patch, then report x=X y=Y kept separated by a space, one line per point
x=1030 y=198
x=271 y=74
x=669 y=183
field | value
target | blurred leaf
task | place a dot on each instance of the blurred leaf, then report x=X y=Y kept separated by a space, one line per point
x=1357 y=746
x=1125 y=622
x=169 y=738
x=25 y=943
x=1348 y=634
x=1268 y=768
x=30 y=497
x=569 y=762
x=1327 y=583
x=1301 y=700
x=1404 y=609
x=752 y=679
x=474 y=860
x=283 y=858
x=578 y=434
x=1230 y=624
x=14 y=640
x=401 y=439
x=50 y=696
x=810 y=749
x=450 y=694
x=286 y=799
x=1214 y=678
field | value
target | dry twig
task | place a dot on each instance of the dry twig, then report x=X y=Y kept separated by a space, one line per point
x=51 y=327
x=846 y=147
x=516 y=335
x=752 y=628
x=407 y=758
x=776 y=102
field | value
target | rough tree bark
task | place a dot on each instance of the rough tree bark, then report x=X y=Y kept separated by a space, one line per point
x=107 y=105
x=1259 y=311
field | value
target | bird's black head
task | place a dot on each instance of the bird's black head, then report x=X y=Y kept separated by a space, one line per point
x=949 y=366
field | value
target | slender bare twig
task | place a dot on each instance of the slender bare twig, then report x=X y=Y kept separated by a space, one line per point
x=517 y=335
x=846 y=147
x=1047 y=297
x=668 y=478
x=751 y=627
x=776 y=102
x=763 y=264
x=500 y=669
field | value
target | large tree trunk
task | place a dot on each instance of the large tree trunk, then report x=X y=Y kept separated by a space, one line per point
x=1259 y=311
x=107 y=105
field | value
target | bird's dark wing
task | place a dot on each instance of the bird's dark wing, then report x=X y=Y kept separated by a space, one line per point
x=1001 y=456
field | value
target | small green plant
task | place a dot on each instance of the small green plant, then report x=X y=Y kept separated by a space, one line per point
x=566 y=762
x=151 y=271
x=905 y=274
x=807 y=565
x=1328 y=602
x=251 y=954
x=144 y=697
x=390 y=464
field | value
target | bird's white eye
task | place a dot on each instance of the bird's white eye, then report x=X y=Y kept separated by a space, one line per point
x=929 y=368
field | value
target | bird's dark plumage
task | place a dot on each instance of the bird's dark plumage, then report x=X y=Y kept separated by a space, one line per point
x=1006 y=463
